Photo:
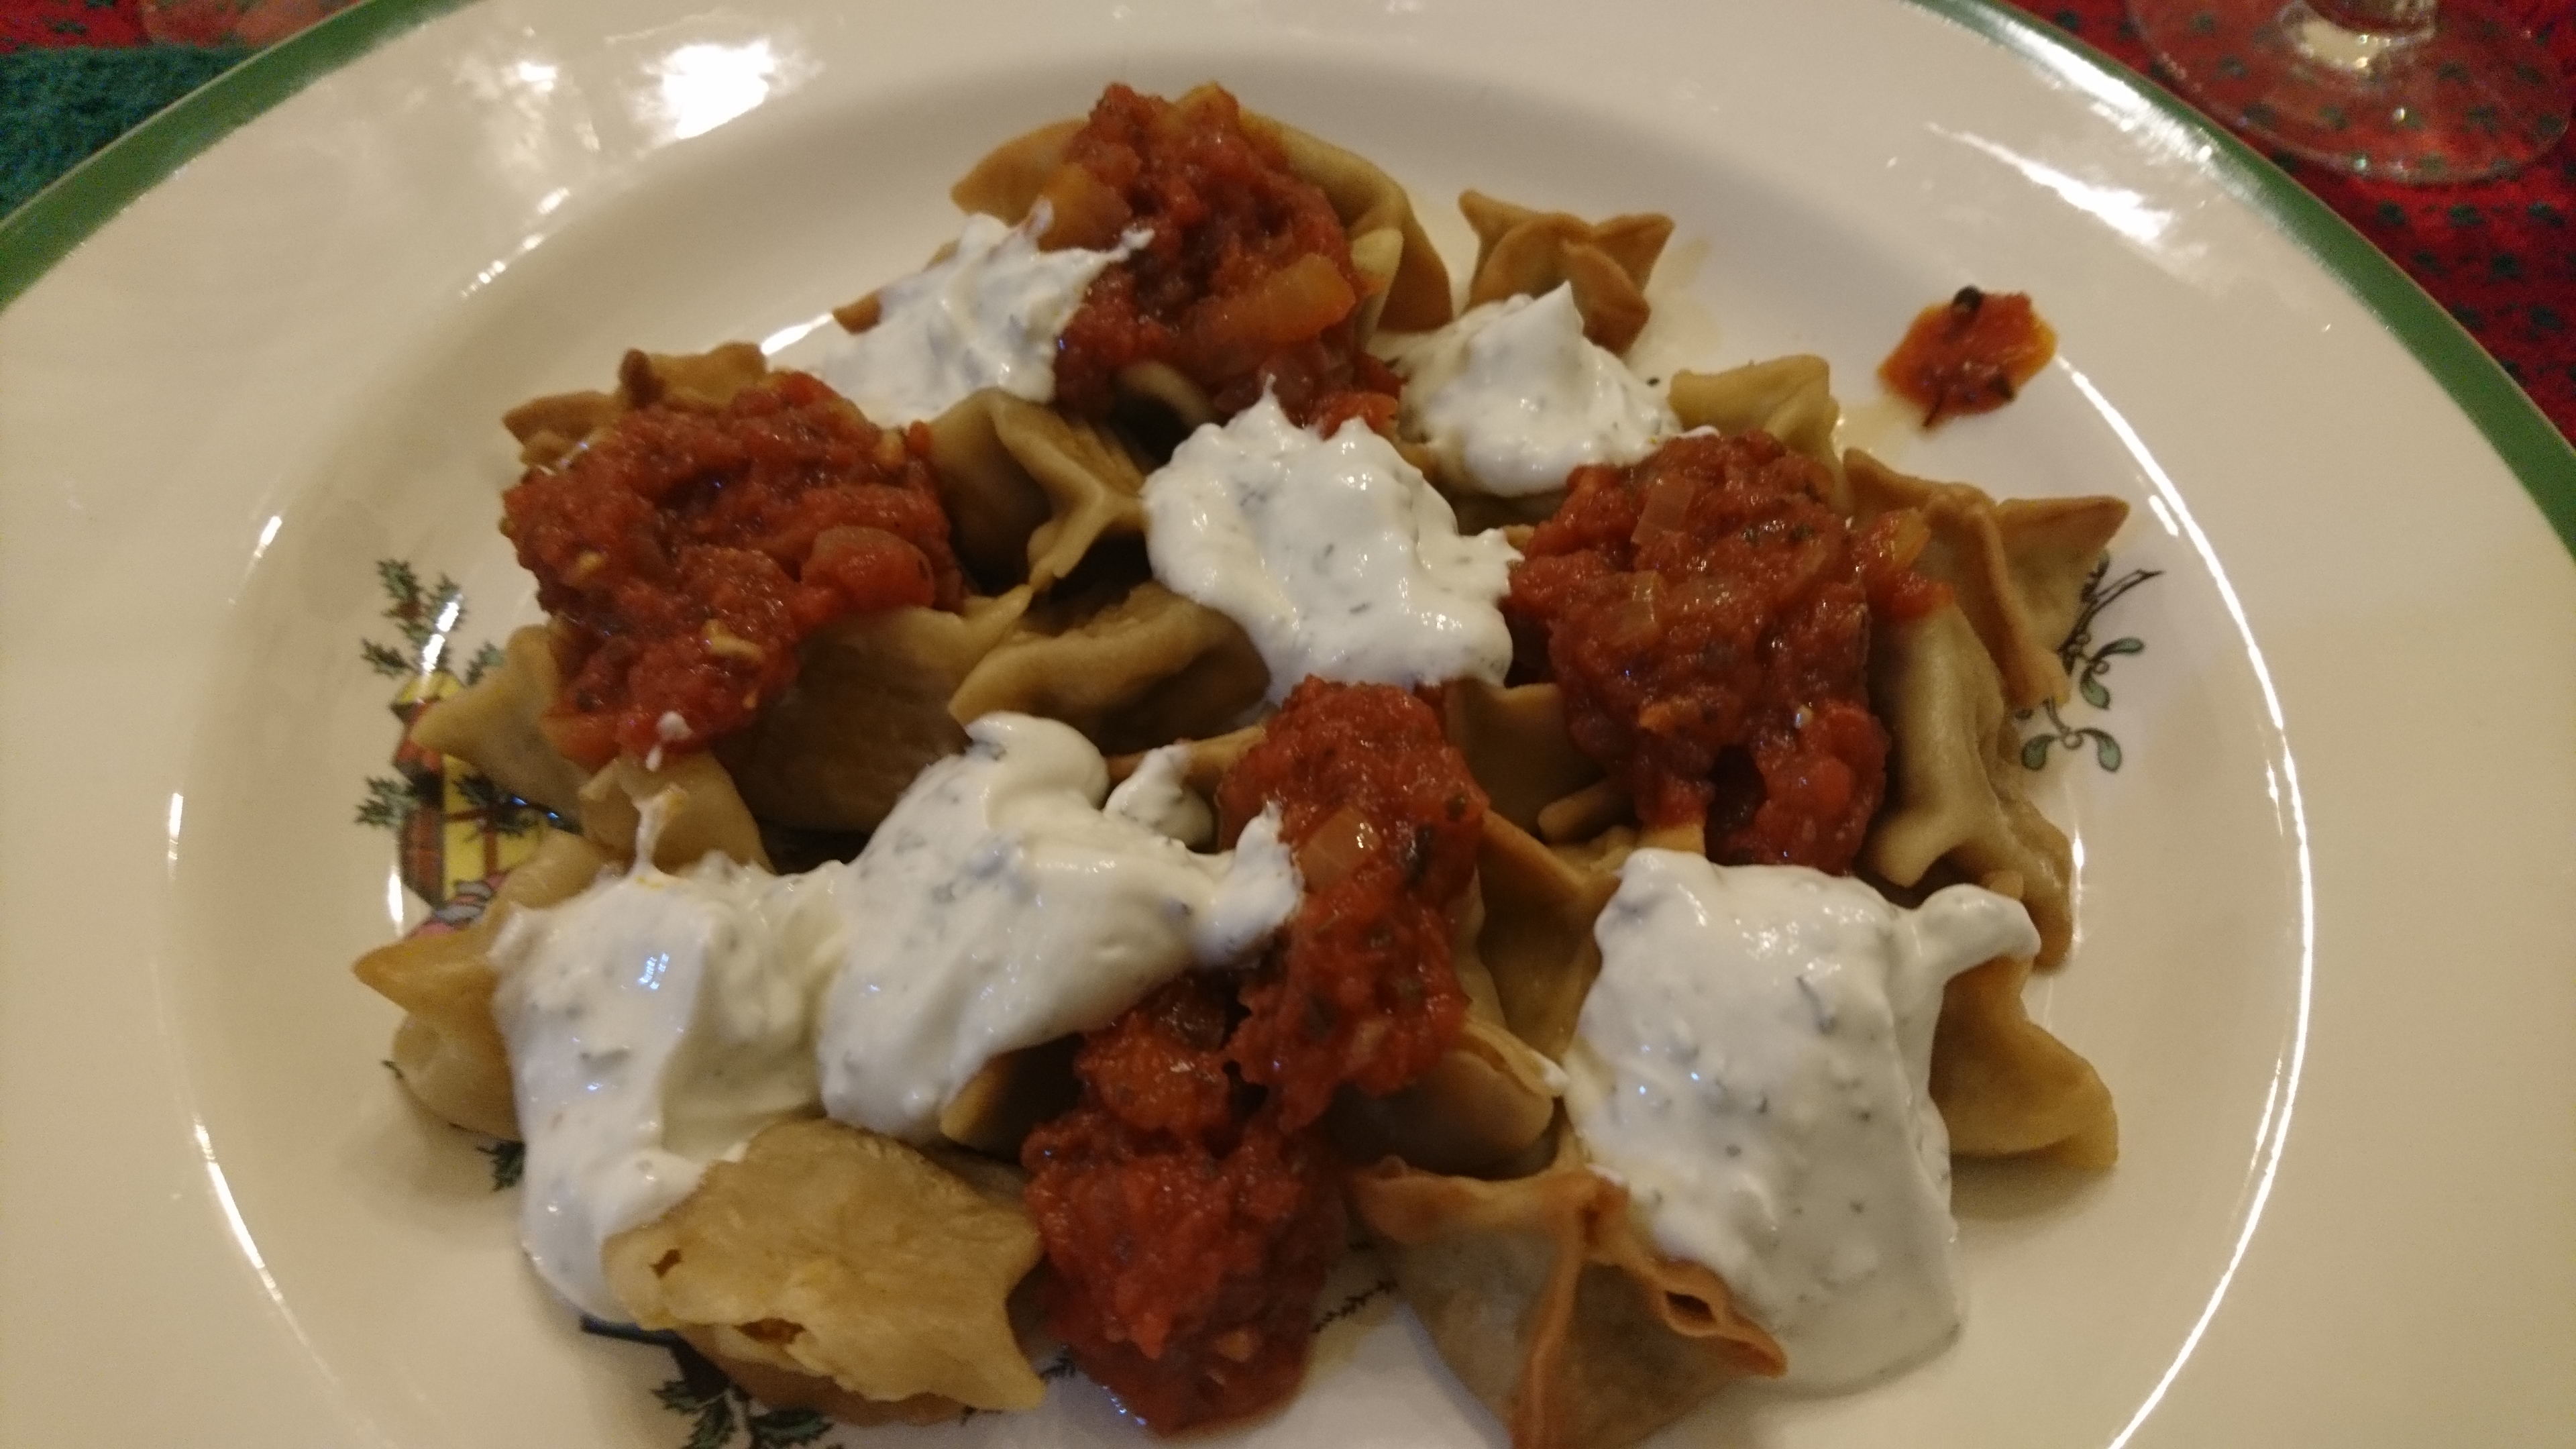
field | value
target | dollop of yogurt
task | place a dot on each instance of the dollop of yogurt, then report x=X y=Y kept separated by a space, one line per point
x=987 y=315
x=1000 y=906
x=655 y=1023
x=1334 y=554
x=1513 y=397
x=1753 y=1062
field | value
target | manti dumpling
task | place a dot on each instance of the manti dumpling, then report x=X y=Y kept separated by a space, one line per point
x=1525 y=252
x=1404 y=284
x=868 y=709
x=1489 y=1099
x=834 y=1269
x=2017 y=566
x=1549 y=1305
x=448 y=1050
x=1955 y=794
x=492 y=724
x=1135 y=671
x=1029 y=491
x=1791 y=398
x=550 y=427
x=2006 y=1087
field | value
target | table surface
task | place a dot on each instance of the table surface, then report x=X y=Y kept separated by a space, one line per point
x=2500 y=255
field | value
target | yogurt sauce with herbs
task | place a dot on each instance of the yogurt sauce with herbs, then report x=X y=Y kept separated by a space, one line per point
x=656 y=1023
x=987 y=315
x=1752 y=1063
x=1334 y=554
x=999 y=906
x=1513 y=397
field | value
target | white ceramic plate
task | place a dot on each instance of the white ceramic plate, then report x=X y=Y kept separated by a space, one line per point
x=2328 y=899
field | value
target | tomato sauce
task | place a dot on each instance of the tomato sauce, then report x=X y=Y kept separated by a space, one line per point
x=686 y=553
x=1971 y=354
x=1708 y=617
x=1189 y=1206
x=1188 y=1232
x=1247 y=283
x=1384 y=820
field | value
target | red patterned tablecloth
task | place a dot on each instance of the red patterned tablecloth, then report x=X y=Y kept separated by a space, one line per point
x=2500 y=255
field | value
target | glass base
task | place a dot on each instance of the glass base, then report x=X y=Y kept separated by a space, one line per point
x=2467 y=98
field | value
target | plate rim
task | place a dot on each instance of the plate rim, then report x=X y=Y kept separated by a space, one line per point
x=53 y=223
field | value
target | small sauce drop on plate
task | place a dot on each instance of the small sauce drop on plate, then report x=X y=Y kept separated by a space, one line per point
x=1971 y=354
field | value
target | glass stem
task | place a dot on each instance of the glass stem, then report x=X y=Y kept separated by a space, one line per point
x=2392 y=18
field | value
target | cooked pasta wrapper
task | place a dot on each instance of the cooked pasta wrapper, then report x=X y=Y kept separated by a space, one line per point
x=1587 y=813
x=550 y=427
x=1151 y=668
x=2017 y=567
x=491 y=724
x=1544 y=1298
x=1482 y=1104
x=1791 y=398
x=1028 y=490
x=1012 y=1094
x=1537 y=939
x=1521 y=252
x=831 y=1253
x=448 y=1050
x=701 y=813
x=1954 y=795
x=1205 y=764
x=1406 y=284
x=1516 y=746
x=868 y=709
x=2005 y=1086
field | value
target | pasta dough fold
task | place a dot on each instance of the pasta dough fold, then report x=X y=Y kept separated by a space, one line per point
x=2017 y=567
x=491 y=724
x=1486 y=1101
x=550 y=427
x=1029 y=491
x=2006 y=1087
x=865 y=1279
x=1522 y=252
x=1148 y=669
x=1955 y=793
x=448 y=1049
x=1407 y=285
x=1543 y=1297
x=1791 y=398
x=869 y=708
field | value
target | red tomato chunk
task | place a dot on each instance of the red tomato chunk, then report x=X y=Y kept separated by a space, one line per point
x=1971 y=354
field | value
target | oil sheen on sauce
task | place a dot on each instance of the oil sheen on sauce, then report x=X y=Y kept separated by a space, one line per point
x=1000 y=906
x=1334 y=554
x=1513 y=397
x=1752 y=1064
x=655 y=1023
x=986 y=315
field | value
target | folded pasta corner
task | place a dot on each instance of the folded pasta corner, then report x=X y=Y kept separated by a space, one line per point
x=1791 y=398
x=1523 y=252
x=2017 y=567
x=448 y=1049
x=829 y=1253
x=2006 y=1087
x=1544 y=1299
